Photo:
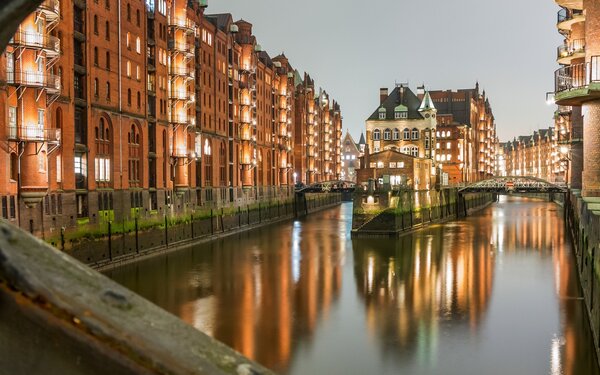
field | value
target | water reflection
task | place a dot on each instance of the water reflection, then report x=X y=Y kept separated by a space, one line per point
x=494 y=293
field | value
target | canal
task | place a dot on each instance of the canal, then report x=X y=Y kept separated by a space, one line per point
x=495 y=293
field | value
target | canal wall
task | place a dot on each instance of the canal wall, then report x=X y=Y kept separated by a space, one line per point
x=113 y=244
x=388 y=213
x=582 y=217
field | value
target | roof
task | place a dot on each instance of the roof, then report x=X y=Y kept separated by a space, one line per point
x=427 y=104
x=400 y=96
x=362 y=140
x=221 y=20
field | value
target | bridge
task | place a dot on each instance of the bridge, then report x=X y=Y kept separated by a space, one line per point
x=337 y=186
x=513 y=184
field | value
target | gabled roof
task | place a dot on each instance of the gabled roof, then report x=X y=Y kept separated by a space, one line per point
x=400 y=96
x=221 y=20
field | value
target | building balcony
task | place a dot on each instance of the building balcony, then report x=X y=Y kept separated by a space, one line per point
x=182 y=72
x=568 y=52
x=566 y=18
x=181 y=47
x=51 y=9
x=182 y=96
x=33 y=79
x=184 y=24
x=33 y=134
x=572 y=4
x=577 y=83
x=47 y=43
x=179 y=119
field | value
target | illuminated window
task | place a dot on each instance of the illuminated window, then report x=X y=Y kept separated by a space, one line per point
x=138 y=45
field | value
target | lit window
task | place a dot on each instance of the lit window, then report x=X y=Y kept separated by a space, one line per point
x=448 y=145
x=392 y=165
x=128 y=69
x=138 y=45
x=380 y=164
x=127 y=39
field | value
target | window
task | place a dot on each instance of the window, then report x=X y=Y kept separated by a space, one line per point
x=107 y=60
x=14 y=166
x=95 y=24
x=400 y=115
x=107 y=4
x=42 y=166
x=222 y=160
x=128 y=69
x=139 y=100
x=137 y=17
x=406 y=134
x=107 y=30
x=373 y=165
x=414 y=151
x=427 y=142
x=96 y=87
x=138 y=45
x=134 y=156
x=392 y=165
x=415 y=134
x=12 y=122
x=128 y=12
x=128 y=40
x=448 y=146
x=108 y=91
x=129 y=97
x=103 y=155
x=207 y=163
x=138 y=74
x=376 y=135
x=382 y=115
x=396 y=134
x=387 y=134
x=96 y=56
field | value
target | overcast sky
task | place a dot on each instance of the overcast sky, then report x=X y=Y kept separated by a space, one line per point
x=352 y=48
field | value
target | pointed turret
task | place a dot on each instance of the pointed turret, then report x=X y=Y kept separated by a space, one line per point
x=427 y=104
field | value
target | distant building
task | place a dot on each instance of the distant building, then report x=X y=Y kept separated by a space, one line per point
x=396 y=170
x=350 y=158
x=453 y=151
x=402 y=122
x=472 y=108
x=535 y=155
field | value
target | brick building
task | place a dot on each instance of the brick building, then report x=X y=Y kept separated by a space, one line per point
x=122 y=109
x=454 y=151
x=350 y=158
x=396 y=169
x=535 y=155
x=472 y=108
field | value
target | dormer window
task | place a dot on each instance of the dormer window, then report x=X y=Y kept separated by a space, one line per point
x=382 y=113
x=401 y=112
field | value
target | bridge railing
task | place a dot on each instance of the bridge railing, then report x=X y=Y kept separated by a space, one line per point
x=92 y=325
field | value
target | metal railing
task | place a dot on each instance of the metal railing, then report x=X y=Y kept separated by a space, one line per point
x=566 y=50
x=50 y=6
x=36 y=40
x=33 y=133
x=33 y=79
x=566 y=14
x=186 y=72
x=577 y=76
x=184 y=23
x=181 y=47
x=179 y=119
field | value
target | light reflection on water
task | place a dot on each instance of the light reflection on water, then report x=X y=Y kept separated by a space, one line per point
x=494 y=293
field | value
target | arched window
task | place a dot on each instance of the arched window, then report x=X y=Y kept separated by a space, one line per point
x=376 y=134
x=387 y=134
x=138 y=45
x=107 y=60
x=137 y=17
x=414 y=151
x=96 y=87
x=406 y=134
x=208 y=166
x=96 y=56
x=415 y=134
x=134 y=156
x=128 y=12
x=103 y=160
x=396 y=134
x=107 y=29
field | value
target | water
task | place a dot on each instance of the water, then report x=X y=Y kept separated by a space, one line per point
x=495 y=293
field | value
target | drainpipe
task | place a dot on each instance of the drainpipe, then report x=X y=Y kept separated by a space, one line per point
x=120 y=101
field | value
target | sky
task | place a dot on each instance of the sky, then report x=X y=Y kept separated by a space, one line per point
x=352 y=48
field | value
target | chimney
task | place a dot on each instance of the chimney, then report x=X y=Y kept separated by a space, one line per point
x=421 y=92
x=383 y=94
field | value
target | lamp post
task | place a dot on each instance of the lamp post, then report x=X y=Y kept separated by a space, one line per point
x=565 y=151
